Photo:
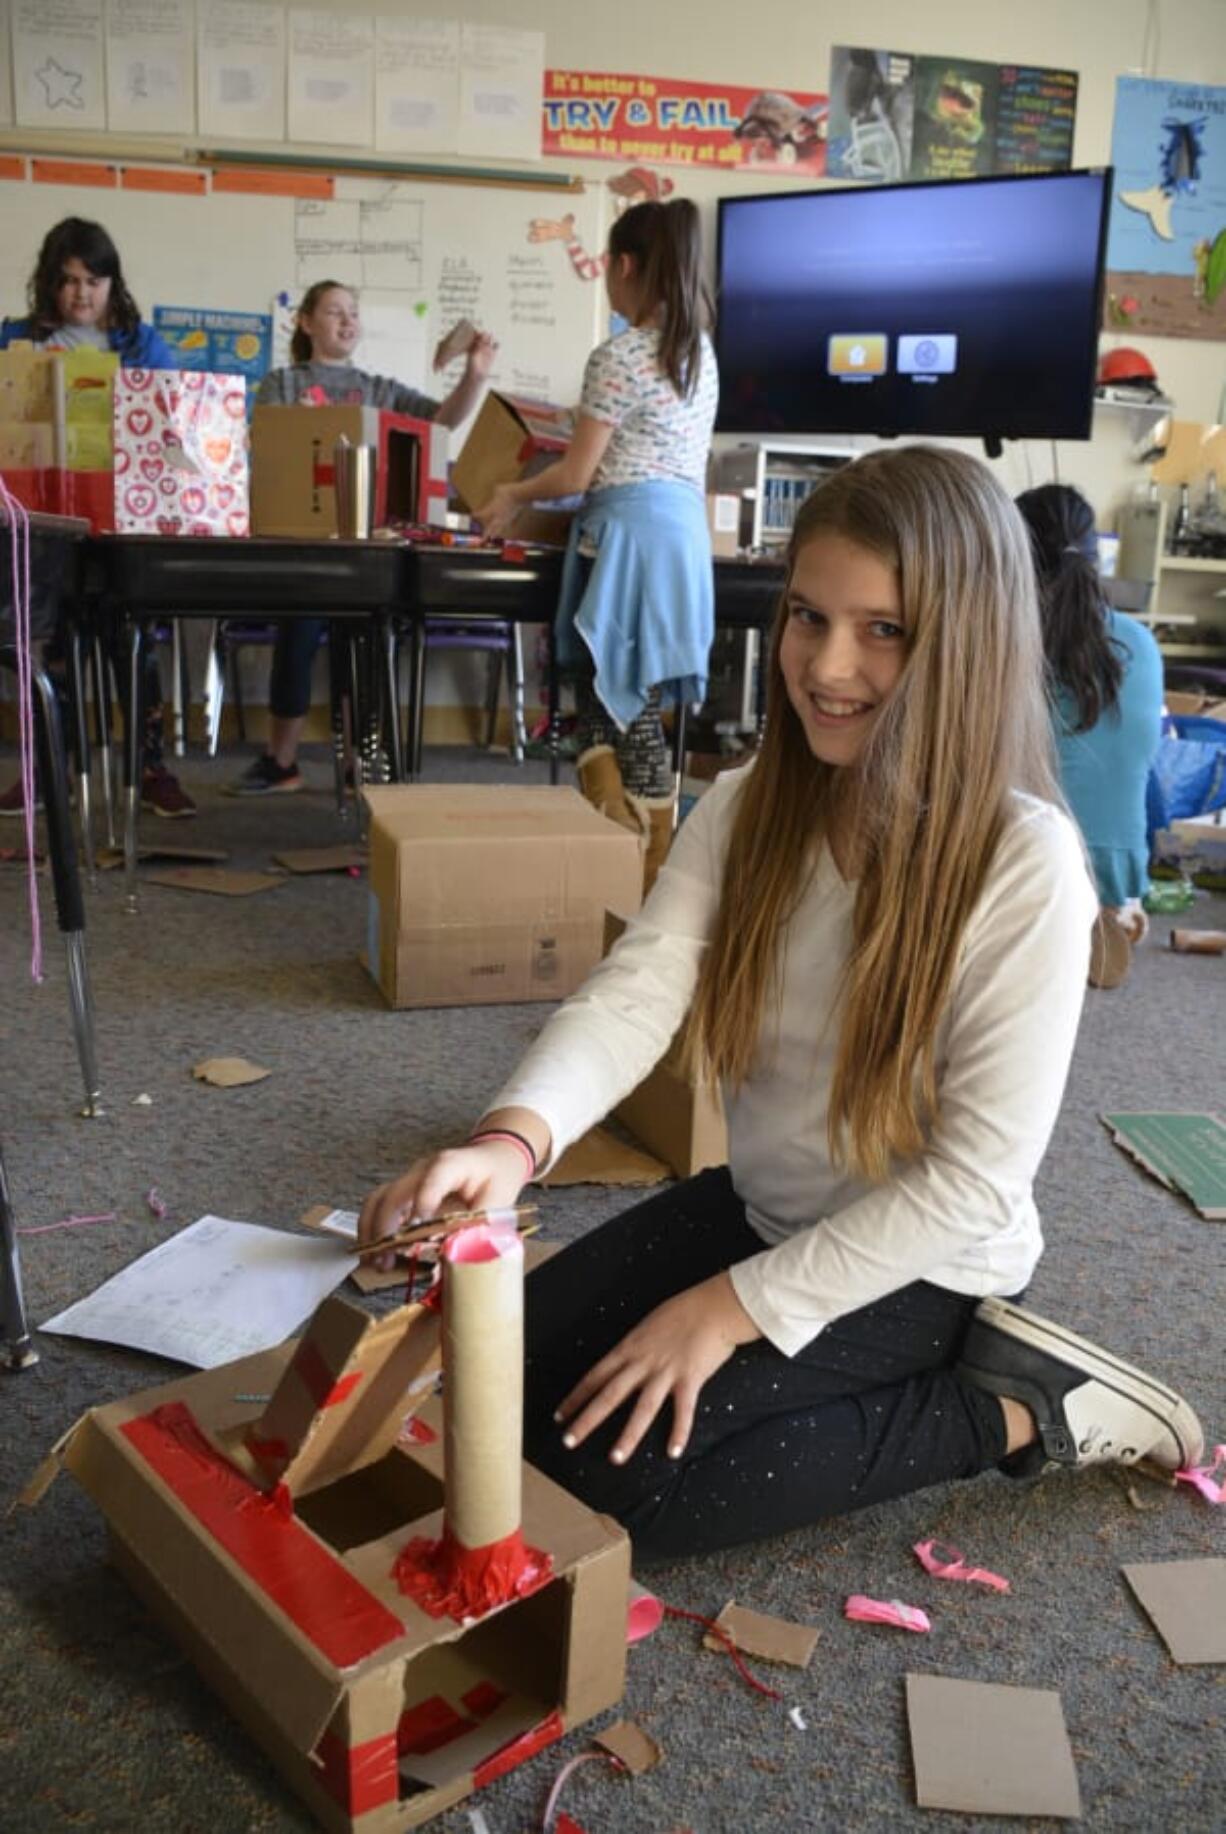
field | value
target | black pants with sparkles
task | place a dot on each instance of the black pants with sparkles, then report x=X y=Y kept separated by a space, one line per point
x=869 y=1410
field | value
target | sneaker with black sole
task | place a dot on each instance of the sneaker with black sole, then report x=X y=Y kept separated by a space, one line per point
x=1089 y=1406
x=265 y=777
x=13 y=801
x=163 y=794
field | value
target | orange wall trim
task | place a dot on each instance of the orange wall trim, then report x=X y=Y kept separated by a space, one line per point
x=274 y=184
x=71 y=172
x=12 y=165
x=159 y=178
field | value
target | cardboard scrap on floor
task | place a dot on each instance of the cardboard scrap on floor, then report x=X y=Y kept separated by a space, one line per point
x=773 y=1639
x=983 y=1749
x=322 y=859
x=1185 y=1152
x=601 y=1158
x=108 y=858
x=633 y=1747
x=1186 y=1602
x=227 y=884
x=228 y=1072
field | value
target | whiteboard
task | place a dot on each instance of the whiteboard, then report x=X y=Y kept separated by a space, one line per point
x=420 y=255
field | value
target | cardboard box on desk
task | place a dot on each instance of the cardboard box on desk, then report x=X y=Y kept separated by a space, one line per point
x=674 y=1116
x=293 y=467
x=511 y=438
x=266 y=1537
x=56 y=442
x=180 y=453
x=484 y=895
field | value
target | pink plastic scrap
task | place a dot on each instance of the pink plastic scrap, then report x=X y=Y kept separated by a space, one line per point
x=863 y=1610
x=1210 y=1480
x=945 y=1562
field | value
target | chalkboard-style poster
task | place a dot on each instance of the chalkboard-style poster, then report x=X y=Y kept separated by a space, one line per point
x=896 y=116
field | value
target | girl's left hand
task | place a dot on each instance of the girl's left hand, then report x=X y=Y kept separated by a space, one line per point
x=499 y=513
x=670 y=1353
x=480 y=358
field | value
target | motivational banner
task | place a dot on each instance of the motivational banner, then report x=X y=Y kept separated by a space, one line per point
x=653 y=120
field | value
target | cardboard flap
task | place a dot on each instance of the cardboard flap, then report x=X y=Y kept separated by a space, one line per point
x=343 y=1400
x=41 y=1479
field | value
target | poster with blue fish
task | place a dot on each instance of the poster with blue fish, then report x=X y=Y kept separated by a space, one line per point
x=1166 y=248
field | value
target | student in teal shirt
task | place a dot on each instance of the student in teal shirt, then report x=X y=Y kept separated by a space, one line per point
x=1105 y=684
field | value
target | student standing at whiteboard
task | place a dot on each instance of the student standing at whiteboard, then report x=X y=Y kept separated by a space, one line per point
x=78 y=300
x=323 y=374
x=637 y=584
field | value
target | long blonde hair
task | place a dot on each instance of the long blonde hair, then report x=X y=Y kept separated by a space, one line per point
x=966 y=724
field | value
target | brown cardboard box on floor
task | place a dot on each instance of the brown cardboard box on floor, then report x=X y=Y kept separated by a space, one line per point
x=268 y=1542
x=480 y=895
x=681 y=1121
x=512 y=438
x=293 y=467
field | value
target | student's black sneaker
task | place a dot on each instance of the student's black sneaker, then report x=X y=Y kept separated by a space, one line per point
x=1090 y=1408
x=266 y=778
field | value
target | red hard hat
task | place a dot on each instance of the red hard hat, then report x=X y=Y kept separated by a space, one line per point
x=1127 y=365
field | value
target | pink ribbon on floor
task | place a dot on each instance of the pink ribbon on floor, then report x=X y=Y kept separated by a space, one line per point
x=564 y=1821
x=69 y=1222
x=1210 y=1480
x=945 y=1562
x=155 y=1201
x=863 y=1610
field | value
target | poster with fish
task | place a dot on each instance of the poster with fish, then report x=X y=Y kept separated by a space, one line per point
x=896 y=116
x=1166 y=247
x=225 y=343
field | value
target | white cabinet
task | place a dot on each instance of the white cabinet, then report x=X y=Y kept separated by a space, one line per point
x=772 y=479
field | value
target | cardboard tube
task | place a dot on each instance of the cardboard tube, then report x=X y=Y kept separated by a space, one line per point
x=1199 y=942
x=483 y=1365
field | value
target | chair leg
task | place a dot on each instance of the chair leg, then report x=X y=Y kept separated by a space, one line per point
x=338 y=662
x=421 y=654
x=214 y=687
x=133 y=736
x=70 y=907
x=391 y=698
x=515 y=685
x=102 y=728
x=16 y=1345
x=181 y=691
x=236 y=684
x=493 y=685
x=80 y=747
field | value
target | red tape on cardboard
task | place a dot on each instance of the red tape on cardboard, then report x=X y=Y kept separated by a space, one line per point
x=359 y=1777
x=519 y=1750
x=302 y=1577
x=318 y=1379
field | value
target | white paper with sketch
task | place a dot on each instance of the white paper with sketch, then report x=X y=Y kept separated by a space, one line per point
x=58 y=63
x=240 y=69
x=150 y=66
x=215 y=1291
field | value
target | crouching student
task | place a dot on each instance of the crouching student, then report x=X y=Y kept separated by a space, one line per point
x=880 y=931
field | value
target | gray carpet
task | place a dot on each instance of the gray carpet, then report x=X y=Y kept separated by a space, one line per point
x=106 y=1726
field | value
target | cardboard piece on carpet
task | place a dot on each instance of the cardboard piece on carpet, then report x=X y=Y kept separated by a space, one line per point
x=228 y=1072
x=215 y=879
x=322 y=859
x=774 y=1639
x=109 y=858
x=1186 y=1602
x=983 y=1749
x=1186 y=1152
x=600 y=1158
x=636 y=1749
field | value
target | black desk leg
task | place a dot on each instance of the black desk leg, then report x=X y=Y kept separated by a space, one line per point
x=102 y=732
x=338 y=665
x=417 y=696
x=80 y=749
x=133 y=738
x=554 y=734
x=69 y=904
x=390 y=650
x=16 y=1347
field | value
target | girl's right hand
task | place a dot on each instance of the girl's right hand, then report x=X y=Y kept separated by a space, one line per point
x=488 y=1176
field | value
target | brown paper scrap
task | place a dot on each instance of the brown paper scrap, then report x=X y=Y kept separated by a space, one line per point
x=215 y=879
x=108 y=858
x=228 y=1072
x=637 y=1749
x=773 y=1639
x=601 y=1158
x=985 y=1749
x=1186 y=1602
x=455 y=343
x=322 y=859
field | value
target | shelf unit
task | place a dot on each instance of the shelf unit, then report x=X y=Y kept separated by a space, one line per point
x=1187 y=591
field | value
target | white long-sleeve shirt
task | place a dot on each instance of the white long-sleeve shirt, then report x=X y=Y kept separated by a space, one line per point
x=962 y=1213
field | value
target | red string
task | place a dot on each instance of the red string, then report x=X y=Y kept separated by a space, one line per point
x=717 y=1630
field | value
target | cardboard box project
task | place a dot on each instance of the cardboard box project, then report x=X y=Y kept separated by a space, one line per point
x=483 y=895
x=180 y=453
x=512 y=438
x=273 y=1546
x=678 y=1119
x=293 y=474
x=56 y=440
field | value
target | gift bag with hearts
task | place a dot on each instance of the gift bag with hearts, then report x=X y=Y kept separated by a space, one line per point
x=181 y=464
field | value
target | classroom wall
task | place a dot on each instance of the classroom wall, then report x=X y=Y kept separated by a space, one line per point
x=789 y=44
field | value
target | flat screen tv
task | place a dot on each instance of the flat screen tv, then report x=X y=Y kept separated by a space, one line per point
x=968 y=307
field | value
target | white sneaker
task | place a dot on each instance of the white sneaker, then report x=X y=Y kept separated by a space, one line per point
x=1089 y=1406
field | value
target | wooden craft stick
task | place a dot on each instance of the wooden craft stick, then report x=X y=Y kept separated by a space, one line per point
x=436 y=1227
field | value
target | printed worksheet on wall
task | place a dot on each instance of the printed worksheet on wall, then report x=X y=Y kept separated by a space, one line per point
x=417 y=85
x=150 y=66
x=502 y=79
x=6 y=71
x=331 y=77
x=58 y=63
x=240 y=66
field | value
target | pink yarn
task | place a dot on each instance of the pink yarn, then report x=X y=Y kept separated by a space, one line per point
x=19 y=544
